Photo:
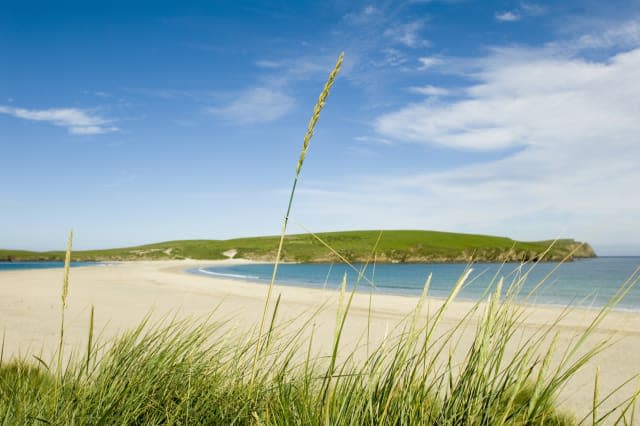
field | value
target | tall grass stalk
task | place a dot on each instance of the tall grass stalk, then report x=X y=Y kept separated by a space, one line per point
x=90 y=338
x=303 y=154
x=370 y=305
x=63 y=301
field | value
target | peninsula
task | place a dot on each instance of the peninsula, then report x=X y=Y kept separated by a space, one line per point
x=389 y=246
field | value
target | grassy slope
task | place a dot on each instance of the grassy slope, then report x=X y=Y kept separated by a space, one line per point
x=394 y=246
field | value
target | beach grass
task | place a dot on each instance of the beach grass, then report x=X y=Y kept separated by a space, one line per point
x=190 y=371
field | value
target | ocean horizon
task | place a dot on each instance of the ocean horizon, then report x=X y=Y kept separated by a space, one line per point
x=15 y=266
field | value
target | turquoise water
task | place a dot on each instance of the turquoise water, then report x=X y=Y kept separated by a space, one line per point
x=12 y=266
x=585 y=282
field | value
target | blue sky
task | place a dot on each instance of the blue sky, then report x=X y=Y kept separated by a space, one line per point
x=138 y=122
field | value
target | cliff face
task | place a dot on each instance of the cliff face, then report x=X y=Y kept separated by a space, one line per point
x=582 y=250
x=563 y=250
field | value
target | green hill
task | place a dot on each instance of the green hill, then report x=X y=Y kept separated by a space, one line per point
x=394 y=247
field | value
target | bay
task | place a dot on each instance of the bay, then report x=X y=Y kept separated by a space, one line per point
x=583 y=282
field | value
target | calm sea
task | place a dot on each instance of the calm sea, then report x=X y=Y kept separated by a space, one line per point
x=586 y=282
x=12 y=266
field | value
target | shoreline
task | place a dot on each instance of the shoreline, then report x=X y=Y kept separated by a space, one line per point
x=193 y=267
x=328 y=262
x=410 y=292
x=125 y=293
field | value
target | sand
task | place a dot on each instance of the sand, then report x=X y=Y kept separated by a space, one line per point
x=124 y=293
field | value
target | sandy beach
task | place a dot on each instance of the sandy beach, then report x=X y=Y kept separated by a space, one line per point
x=124 y=293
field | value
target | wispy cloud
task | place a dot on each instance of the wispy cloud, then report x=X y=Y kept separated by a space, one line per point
x=379 y=41
x=429 y=90
x=429 y=62
x=407 y=34
x=363 y=16
x=285 y=71
x=559 y=139
x=76 y=121
x=623 y=35
x=97 y=93
x=264 y=63
x=373 y=139
x=525 y=10
x=567 y=131
x=533 y=9
x=255 y=105
x=508 y=16
x=528 y=99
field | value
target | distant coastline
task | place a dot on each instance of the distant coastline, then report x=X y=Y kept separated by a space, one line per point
x=16 y=265
x=389 y=246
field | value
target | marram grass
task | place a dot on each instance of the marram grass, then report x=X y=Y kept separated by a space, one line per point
x=315 y=116
x=63 y=301
x=199 y=372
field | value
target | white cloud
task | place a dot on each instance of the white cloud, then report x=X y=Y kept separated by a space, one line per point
x=369 y=10
x=508 y=17
x=527 y=100
x=390 y=58
x=88 y=130
x=364 y=16
x=532 y=9
x=268 y=64
x=373 y=139
x=77 y=121
x=255 y=105
x=525 y=10
x=429 y=62
x=429 y=90
x=624 y=35
x=571 y=126
x=407 y=34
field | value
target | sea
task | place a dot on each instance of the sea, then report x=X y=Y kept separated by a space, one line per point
x=14 y=266
x=589 y=283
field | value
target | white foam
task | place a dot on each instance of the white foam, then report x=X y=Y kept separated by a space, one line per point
x=218 y=274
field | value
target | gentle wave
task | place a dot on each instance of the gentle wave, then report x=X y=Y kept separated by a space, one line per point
x=218 y=274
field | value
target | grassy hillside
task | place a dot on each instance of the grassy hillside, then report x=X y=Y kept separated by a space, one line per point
x=394 y=246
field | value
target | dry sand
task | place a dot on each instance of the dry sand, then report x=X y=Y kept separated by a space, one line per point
x=123 y=293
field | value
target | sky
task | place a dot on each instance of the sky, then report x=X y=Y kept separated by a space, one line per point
x=144 y=121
